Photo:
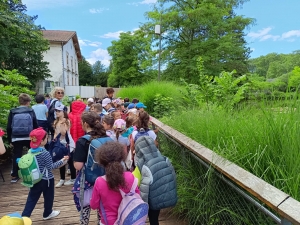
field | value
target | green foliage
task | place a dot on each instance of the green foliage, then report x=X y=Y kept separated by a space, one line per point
x=77 y=97
x=294 y=80
x=85 y=71
x=100 y=74
x=163 y=106
x=22 y=43
x=12 y=84
x=130 y=59
x=274 y=65
x=207 y=28
x=146 y=93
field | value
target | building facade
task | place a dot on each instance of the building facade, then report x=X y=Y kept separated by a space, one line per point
x=63 y=57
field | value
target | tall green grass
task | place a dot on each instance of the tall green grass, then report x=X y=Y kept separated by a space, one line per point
x=263 y=140
x=146 y=93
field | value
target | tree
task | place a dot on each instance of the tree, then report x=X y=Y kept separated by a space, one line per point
x=294 y=80
x=85 y=72
x=131 y=59
x=210 y=29
x=100 y=74
x=22 y=43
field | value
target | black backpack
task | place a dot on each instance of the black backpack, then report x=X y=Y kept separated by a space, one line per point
x=51 y=112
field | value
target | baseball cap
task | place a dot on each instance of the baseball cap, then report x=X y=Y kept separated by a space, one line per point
x=90 y=100
x=140 y=105
x=60 y=107
x=36 y=137
x=15 y=219
x=105 y=102
x=131 y=106
x=119 y=124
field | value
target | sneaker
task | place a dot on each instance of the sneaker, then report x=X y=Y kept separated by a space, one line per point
x=69 y=182
x=68 y=172
x=14 y=179
x=60 y=183
x=53 y=214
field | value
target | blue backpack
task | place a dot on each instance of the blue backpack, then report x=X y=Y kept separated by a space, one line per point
x=141 y=132
x=58 y=150
x=92 y=168
x=22 y=124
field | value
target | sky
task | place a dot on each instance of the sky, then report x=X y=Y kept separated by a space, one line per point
x=98 y=22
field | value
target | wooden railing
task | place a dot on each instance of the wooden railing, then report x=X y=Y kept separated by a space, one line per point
x=287 y=207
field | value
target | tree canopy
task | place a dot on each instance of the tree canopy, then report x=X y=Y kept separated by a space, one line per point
x=22 y=43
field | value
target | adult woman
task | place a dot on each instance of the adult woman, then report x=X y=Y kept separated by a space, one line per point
x=92 y=126
x=57 y=93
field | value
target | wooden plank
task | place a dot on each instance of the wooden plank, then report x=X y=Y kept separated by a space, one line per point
x=14 y=195
x=247 y=181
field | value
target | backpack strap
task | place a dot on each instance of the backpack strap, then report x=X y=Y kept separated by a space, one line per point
x=132 y=190
x=87 y=137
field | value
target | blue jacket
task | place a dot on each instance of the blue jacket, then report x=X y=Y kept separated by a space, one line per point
x=158 y=181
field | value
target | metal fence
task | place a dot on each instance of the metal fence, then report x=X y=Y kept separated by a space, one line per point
x=207 y=196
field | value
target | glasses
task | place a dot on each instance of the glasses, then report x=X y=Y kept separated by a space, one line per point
x=60 y=93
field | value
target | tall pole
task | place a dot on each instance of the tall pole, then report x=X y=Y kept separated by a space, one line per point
x=159 y=58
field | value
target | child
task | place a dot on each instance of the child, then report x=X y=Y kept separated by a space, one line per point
x=119 y=128
x=90 y=102
x=62 y=126
x=78 y=107
x=116 y=115
x=140 y=106
x=110 y=155
x=91 y=125
x=21 y=121
x=41 y=112
x=108 y=123
x=46 y=185
x=2 y=147
x=158 y=179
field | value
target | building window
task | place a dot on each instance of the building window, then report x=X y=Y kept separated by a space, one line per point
x=68 y=79
x=47 y=86
x=72 y=63
x=72 y=81
x=67 y=61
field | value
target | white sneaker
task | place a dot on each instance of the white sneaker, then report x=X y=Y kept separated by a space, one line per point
x=68 y=172
x=53 y=214
x=69 y=182
x=60 y=183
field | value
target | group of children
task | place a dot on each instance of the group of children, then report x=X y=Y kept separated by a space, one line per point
x=131 y=148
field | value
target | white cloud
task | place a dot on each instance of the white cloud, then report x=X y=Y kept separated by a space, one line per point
x=82 y=43
x=42 y=4
x=144 y=2
x=100 y=10
x=148 y=2
x=89 y=43
x=101 y=55
x=115 y=35
x=291 y=33
x=260 y=33
x=269 y=36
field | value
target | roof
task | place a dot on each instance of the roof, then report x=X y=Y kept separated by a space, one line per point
x=63 y=36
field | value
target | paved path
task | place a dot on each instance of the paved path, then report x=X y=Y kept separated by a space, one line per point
x=13 y=198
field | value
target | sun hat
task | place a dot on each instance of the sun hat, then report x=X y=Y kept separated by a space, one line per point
x=60 y=107
x=140 y=105
x=119 y=124
x=131 y=106
x=36 y=137
x=118 y=101
x=90 y=100
x=105 y=102
x=15 y=219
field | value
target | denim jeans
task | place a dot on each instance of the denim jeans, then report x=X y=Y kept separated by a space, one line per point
x=34 y=194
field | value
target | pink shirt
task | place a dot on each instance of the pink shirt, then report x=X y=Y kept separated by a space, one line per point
x=110 y=199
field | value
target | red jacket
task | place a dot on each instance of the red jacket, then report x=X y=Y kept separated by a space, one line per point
x=76 y=130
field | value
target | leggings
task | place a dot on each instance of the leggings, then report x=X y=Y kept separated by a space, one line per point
x=86 y=215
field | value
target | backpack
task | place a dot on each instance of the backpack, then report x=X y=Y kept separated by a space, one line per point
x=92 y=168
x=132 y=209
x=141 y=132
x=58 y=150
x=47 y=103
x=22 y=124
x=51 y=112
x=29 y=170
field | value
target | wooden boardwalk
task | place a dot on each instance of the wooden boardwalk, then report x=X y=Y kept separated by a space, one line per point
x=14 y=195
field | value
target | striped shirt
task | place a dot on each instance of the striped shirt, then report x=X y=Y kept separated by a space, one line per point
x=44 y=160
